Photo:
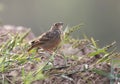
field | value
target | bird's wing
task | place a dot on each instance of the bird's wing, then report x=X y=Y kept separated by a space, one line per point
x=46 y=36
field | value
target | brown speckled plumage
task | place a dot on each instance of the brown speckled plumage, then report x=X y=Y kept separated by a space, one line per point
x=49 y=40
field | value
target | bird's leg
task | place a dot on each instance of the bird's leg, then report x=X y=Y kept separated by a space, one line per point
x=37 y=50
x=50 y=51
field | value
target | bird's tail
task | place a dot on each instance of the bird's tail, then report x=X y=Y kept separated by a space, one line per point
x=29 y=49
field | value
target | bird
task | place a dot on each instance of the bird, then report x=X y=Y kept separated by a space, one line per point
x=49 y=40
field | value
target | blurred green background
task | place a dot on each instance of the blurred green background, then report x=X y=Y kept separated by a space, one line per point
x=101 y=17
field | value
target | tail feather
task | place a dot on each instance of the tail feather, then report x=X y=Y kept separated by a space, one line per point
x=30 y=48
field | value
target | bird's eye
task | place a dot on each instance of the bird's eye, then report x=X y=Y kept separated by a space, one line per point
x=56 y=24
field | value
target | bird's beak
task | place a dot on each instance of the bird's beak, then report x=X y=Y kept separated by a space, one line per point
x=60 y=24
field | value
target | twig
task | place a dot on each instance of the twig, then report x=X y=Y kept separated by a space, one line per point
x=57 y=68
x=9 y=80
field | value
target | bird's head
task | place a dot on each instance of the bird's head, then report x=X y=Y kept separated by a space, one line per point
x=57 y=26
